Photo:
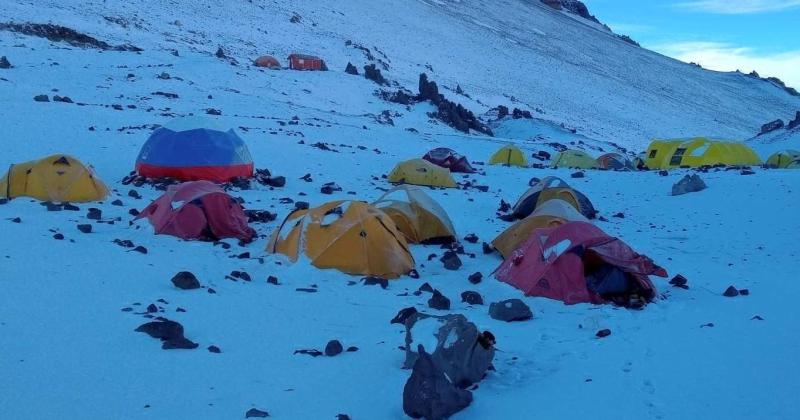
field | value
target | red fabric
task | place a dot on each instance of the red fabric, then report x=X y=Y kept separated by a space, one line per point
x=195 y=173
x=546 y=264
x=193 y=209
x=447 y=158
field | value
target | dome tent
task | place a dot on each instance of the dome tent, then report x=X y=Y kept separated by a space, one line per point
x=198 y=210
x=550 y=188
x=579 y=263
x=698 y=151
x=350 y=236
x=573 y=159
x=448 y=158
x=614 y=161
x=509 y=155
x=551 y=213
x=59 y=178
x=421 y=172
x=416 y=215
x=194 y=148
x=782 y=159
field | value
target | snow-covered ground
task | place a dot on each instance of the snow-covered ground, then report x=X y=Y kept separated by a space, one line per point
x=69 y=349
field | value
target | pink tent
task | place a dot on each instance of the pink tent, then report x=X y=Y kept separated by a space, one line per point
x=576 y=263
x=198 y=210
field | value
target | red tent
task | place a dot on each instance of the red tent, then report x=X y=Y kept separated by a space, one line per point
x=578 y=263
x=306 y=62
x=448 y=158
x=198 y=210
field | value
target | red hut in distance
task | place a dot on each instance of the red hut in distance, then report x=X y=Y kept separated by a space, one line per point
x=306 y=62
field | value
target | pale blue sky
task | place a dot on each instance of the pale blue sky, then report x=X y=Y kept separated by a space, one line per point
x=761 y=35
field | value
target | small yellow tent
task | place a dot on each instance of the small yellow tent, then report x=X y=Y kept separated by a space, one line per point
x=573 y=159
x=416 y=214
x=553 y=212
x=795 y=164
x=422 y=172
x=59 y=178
x=509 y=155
x=783 y=158
x=350 y=236
x=699 y=151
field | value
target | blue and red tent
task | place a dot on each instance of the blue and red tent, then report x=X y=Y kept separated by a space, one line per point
x=193 y=148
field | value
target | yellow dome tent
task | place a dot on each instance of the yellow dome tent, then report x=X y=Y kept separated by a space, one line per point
x=550 y=188
x=574 y=159
x=350 y=236
x=553 y=212
x=699 y=151
x=794 y=165
x=58 y=178
x=417 y=216
x=422 y=172
x=509 y=155
x=783 y=158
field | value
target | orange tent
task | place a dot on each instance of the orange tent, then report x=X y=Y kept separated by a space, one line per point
x=268 y=61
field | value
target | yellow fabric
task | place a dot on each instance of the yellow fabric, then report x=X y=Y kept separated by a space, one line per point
x=361 y=240
x=699 y=151
x=417 y=216
x=574 y=159
x=783 y=158
x=58 y=178
x=554 y=212
x=509 y=155
x=422 y=172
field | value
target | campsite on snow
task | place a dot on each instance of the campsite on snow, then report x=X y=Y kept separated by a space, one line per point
x=320 y=210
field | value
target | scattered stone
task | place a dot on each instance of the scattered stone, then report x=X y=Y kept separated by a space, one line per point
x=451 y=260
x=330 y=188
x=744 y=292
x=53 y=206
x=439 y=301
x=757 y=318
x=342 y=417
x=185 y=280
x=94 y=214
x=64 y=99
x=212 y=111
x=373 y=280
x=688 y=184
x=4 y=63
x=58 y=237
x=169 y=332
x=679 y=281
x=140 y=249
x=254 y=412
x=306 y=289
x=301 y=205
x=85 y=228
x=471 y=238
x=619 y=215
x=272 y=280
x=510 y=310
x=663 y=173
x=135 y=194
x=603 y=333
x=747 y=172
x=163 y=76
x=333 y=348
x=310 y=352
x=373 y=73
x=475 y=277
x=730 y=292
x=214 y=349
x=707 y=325
x=41 y=98
x=351 y=69
x=487 y=248
x=403 y=315
x=117 y=202
x=579 y=174
x=472 y=298
x=426 y=288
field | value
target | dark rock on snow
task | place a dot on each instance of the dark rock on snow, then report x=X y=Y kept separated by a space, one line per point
x=679 y=281
x=373 y=73
x=254 y=412
x=351 y=69
x=403 y=315
x=451 y=260
x=795 y=122
x=603 y=333
x=730 y=292
x=510 y=310
x=439 y=301
x=472 y=298
x=169 y=332
x=771 y=126
x=372 y=281
x=333 y=348
x=688 y=184
x=41 y=98
x=185 y=280
x=214 y=349
x=4 y=63
x=475 y=277
x=85 y=228
x=94 y=214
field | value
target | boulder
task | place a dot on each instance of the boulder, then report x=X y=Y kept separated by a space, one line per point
x=333 y=348
x=429 y=394
x=351 y=69
x=795 y=122
x=456 y=351
x=4 y=63
x=510 y=310
x=451 y=260
x=373 y=73
x=472 y=298
x=439 y=301
x=185 y=280
x=688 y=184
x=169 y=332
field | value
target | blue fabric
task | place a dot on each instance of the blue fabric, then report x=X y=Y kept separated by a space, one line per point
x=197 y=147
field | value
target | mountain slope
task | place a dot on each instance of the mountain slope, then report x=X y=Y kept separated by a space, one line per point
x=572 y=69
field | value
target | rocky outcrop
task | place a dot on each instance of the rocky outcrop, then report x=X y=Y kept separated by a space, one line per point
x=771 y=126
x=794 y=123
x=57 y=33
x=451 y=113
x=572 y=6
